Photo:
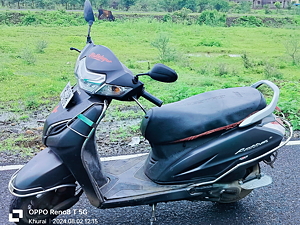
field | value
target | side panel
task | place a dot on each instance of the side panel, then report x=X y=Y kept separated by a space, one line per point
x=73 y=142
x=203 y=162
x=42 y=172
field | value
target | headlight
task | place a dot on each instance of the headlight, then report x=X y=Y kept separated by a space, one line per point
x=87 y=80
x=113 y=90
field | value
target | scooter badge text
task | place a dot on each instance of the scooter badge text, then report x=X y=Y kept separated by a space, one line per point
x=252 y=146
x=99 y=57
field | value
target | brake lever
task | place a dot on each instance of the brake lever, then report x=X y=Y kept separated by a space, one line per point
x=139 y=104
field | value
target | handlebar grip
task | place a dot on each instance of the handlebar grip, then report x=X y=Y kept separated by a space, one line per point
x=151 y=98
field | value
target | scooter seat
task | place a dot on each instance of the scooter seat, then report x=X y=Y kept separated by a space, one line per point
x=200 y=113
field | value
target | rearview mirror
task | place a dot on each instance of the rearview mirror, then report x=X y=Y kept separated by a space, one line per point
x=88 y=12
x=163 y=73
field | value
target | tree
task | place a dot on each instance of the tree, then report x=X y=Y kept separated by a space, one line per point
x=246 y=7
x=220 y=5
x=16 y=1
x=277 y=5
x=101 y=4
x=292 y=46
x=114 y=4
x=192 y=5
x=203 y=5
x=64 y=2
x=127 y=3
x=74 y=3
x=44 y=4
x=174 y=5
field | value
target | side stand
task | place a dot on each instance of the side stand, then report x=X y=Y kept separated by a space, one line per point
x=153 y=218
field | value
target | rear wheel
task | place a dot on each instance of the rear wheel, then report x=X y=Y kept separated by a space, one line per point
x=236 y=192
x=37 y=208
x=231 y=198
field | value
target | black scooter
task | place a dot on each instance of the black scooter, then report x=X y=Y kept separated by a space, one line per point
x=207 y=147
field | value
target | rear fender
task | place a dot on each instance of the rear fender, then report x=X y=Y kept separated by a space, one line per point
x=43 y=173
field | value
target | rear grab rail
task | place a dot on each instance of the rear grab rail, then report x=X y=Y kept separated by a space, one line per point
x=269 y=109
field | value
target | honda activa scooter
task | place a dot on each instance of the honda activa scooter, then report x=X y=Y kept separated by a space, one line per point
x=207 y=147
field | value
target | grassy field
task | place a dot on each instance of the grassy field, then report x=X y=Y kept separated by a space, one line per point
x=206 y=58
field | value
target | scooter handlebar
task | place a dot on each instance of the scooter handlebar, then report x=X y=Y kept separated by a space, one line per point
x=151 y=98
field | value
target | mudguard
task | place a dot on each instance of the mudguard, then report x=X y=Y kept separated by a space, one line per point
x=44 y=172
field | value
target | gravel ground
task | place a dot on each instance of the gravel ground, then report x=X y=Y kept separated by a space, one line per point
x=23 y=136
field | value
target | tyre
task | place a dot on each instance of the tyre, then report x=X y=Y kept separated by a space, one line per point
x=236 y=192
x=36 y=209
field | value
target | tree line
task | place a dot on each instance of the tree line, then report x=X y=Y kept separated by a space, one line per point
x=138 y=5
x=199 y=6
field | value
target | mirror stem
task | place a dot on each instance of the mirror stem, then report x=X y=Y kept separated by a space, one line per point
x=89 y=39
x=136 y=78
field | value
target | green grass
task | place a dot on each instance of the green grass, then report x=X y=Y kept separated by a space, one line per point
x=22 y=144
x=203 y=59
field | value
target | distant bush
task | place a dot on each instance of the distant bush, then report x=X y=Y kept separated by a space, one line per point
x=207 y=17
x=271 y=72
x=248 y=21
x=60 y=17
x=28 y=56
x=210 y=43
x=167 y=18
x=166 y=53
x=29 y=19
x=6 y=74
x=245 y=7
x=41 y=45
x=183 y=13
x=221 y=70
x=292 y=47
x=212 y=18
x=246 y=61
x=267 y=9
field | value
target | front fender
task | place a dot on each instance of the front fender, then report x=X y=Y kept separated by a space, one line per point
x=42 y=173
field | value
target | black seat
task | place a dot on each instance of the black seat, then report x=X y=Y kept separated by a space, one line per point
x=200 y=113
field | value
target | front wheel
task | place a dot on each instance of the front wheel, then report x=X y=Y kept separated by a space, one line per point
x=37 y=209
